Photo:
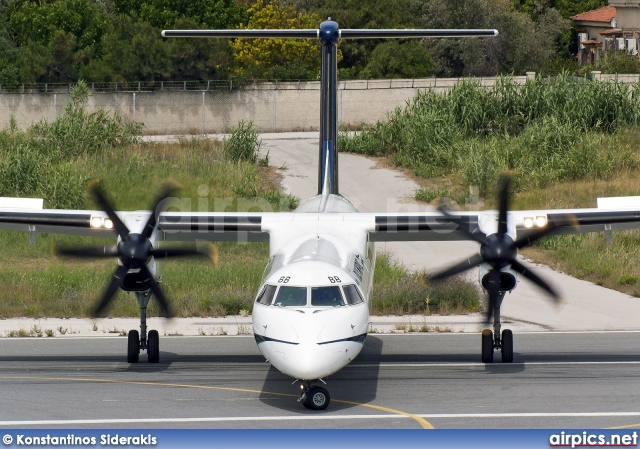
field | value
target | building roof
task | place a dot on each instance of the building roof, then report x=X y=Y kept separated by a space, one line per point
x=616 y=32
x=605 y=14
x=591 y=42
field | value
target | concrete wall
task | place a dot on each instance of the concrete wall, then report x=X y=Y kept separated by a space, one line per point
x=271 y=106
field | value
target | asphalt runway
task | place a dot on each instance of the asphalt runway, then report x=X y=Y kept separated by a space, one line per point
x=557 y=380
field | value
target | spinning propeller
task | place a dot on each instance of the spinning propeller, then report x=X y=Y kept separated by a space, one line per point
x=134 y=251
x=498 y=251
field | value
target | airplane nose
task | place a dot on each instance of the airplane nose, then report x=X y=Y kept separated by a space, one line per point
x=308 y=361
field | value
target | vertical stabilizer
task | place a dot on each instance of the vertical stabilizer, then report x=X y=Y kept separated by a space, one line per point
x=328 y=157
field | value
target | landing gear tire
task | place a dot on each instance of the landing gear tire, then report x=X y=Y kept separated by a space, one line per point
x=507 y=346
x=153 y=346
x=487 y=346
x=317 y=398
x=133 y=347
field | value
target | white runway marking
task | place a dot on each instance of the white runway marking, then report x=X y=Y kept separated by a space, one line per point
x=289 y=418
x=67 y=422
x=530 y=415
x=476 y=364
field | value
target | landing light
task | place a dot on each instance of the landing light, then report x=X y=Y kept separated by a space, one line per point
x=539 y=221
x=99 y=222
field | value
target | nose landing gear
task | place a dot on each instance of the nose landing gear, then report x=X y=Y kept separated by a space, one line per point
x=142 y=340
x=314 y=397
x=492 y=340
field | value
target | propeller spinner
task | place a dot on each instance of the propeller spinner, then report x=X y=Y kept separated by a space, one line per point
x=498 y=251
x=134 y=251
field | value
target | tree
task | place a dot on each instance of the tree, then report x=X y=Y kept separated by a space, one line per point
x=38 y=21
x=135 y=50
x=567 y=42
x=566 y=8
x=522 y=44
x=374 y=14
x=393 y=59
x=288 y=58
x=9 y=53
x=55 y=38
x=164 y=14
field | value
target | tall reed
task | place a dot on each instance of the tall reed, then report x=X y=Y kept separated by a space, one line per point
x=544 y=130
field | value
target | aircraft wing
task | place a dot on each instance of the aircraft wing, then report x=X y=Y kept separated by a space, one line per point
x=212 y=226
x=434 y=226
x=383 y=227
x=57 y=221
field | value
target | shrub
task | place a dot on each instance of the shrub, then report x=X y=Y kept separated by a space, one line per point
x=243 y=143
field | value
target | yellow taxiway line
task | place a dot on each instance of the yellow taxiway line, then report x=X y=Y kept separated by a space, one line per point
x=423 y=422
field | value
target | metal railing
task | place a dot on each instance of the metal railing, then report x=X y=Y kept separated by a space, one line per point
x=237 y=84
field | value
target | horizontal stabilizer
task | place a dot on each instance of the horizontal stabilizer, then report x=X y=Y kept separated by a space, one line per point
x=343 y=34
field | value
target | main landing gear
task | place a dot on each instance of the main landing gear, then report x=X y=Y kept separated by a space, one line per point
x=138 y=341
x=496 y=340
x=314 y=397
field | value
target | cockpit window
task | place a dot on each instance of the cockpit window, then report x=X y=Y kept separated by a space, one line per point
x=326 y=297
x=352 y=294
x=266 y=295
x=291 y=296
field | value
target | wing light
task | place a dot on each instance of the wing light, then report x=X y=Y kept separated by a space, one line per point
x=528 y=222
x=103 y=223
x=539 y=221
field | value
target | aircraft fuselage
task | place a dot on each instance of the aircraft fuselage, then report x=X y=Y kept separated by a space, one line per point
x=311 y=315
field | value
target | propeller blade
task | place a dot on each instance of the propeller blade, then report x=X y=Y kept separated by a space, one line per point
x=479 y=236
x=166 y=191
x=157 y=291
x=471 y=262
x=503 y=201
x=493 y=289
x=122 y=230
x=110 y=291
x=526 y=272
x=89 y=252
x=178 y=252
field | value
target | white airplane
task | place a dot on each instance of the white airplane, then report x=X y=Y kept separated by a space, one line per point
x=311 y=313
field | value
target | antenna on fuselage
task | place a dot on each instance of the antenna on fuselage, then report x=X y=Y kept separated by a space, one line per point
x=329 y=34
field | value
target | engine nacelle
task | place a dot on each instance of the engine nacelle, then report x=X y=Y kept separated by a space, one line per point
x=507 y=277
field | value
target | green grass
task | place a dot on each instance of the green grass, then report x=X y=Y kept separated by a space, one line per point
x=398 y=291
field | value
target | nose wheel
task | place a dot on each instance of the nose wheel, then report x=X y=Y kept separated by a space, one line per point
x=142 y=340
x=504 y=344
x=496 y=339
x=314 y=397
